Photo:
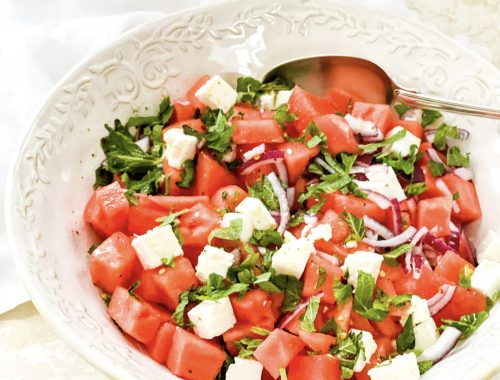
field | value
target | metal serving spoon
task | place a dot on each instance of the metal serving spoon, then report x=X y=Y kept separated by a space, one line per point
x=317 y=74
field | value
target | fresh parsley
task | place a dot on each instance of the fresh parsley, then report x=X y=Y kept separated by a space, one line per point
x=437 y=168
x=406 y=340
x=308 y=318
x=357 y=226
x=443 y=132
x=455 y=158
x=429 y=116
x=148 y=184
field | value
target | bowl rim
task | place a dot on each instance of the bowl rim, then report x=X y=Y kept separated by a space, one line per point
x=94 y=357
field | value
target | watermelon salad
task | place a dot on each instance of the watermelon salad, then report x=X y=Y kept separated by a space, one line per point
x=263 y=232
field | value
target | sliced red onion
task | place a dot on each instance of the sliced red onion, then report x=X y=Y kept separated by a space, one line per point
x=413 y=114
x=327 y=257
x=312 y=181
x=380 y=200
x=310 y=219
x=362 y=127
x=257 y=151
x=371 y=235
x=360 y=176
x=419 y=235
x=364 y=160
x=377 y=227
x=393 y=242
x=418 y=261
x=445 y=343
x=434 y=156
x=464 y=134
x=418 y=175
x=444 y=189
x=454 y=240
x=412 y=205
x=271 y=157
x=324 y=165
x=282 y=172
x=397 y=217
x=464 y=173
x=436 y=243
x=298 y=310
x=144 y=144
x=378 y=137
x=290 y=196
x=439 y=300
x=408 y=261
x=282 y=200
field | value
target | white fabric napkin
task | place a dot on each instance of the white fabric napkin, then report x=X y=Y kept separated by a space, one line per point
x=39 y=42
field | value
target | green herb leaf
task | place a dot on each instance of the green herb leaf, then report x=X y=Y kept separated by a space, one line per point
x=263 y=281
x=445 y=131
x=455 y=195
x=173 y=220
x=187 y=176
x=428 y=117
x=437 y=168
x=92 y=248
x=415 y=188
x=232 y=232
x=465 y=277
x=263 y=190
x=103 y=177
x=180 y=310
x=401 y=109
x=391 y=256
x=468 y=323
x=264 y=238
x=148 y=184
x=106 y=298
x=292 y=287
x=260 y=331
x=247 y=346
x=316 y=134
x=363 y=299
x=349 y=350
x=455 y=158
x=406 y=165
x=424 y=366
x=218 y=136
x=249 y=89
x=342 y=292
x=132 y=289
x=307 y=322
x=357 y=226
x=283 y=375
x=168 y=261
x=296 y=219
x=282 y=116
x=321 y=277
x=164 y=114
x=374 y=146
x=406 y=340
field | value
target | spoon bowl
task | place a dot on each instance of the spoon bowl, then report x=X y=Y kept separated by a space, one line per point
x=319 y=74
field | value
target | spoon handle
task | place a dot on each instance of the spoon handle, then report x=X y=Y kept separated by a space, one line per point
x=418 y=100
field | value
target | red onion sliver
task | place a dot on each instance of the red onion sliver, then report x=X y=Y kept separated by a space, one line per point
x=271 y=157
x=445 y=343
x=444 y=189
x=413 y=114
x=364 y=160
x=257 y=151
x=380 y=200
x=464 y=173
x=290 y=196
x=412 y=205
x=397 y=217
x=436 y=243
x=419 y=235
x=362 y=127
x=312 y=181
x=324 y=165
x=378 y=137
x=418 y=261
x=434 y=156
x=393 y=242
x=298 y=310
x=408 y=261
x=282 y=172
x=418 y=175
x=377 y=227
x=441 y=298
x=282 y=200
x=454 y=240
x=328 y=257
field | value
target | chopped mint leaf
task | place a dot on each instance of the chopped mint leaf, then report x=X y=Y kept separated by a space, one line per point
x=424 y=366
x=401 y=109
x=374 y=146
x=342 y=292
x=168 y=261
x=247 y=346
x=282 y=116
x=443 y=132
x=132 y=289
x=321 y=277
x=264 y=191
x=437 y=168
x=391 y=256
x=232 y=232
x=406 y=340
x=307 y=322
x=187 y=175
x=264 y=238
x=455 y=158
x=415 y=188
x=428 y=117
x=467 y=324
x=456 y=195
x=357 y=226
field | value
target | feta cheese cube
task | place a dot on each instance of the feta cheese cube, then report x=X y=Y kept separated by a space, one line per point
x=425 y=334
x=368 y=262
x=247 y=226
x=179 y=147
x=244 y=369
x=486 y=277
x=382 y=179
x=258 y=213
x=370 y=348
x=321 y=232
x=213 y=260
x=418 y=309
x=291 y=258
x=156 y=244
x=267 y=101
x=401 y=367
x=282 y=97
x=401 y=146
x=212 y=318
x=360 y=126
x=489 y=249
x=216 y=93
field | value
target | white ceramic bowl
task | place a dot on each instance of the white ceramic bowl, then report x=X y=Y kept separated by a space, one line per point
x=53 y=174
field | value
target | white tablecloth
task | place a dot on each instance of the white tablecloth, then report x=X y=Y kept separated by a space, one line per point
x=40 y=41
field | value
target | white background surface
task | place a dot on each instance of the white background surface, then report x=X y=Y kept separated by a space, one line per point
x=40 y=41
